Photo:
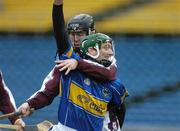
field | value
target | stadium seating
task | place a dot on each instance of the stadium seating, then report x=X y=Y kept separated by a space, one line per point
x=91 y=6
x=161 y=17
x=154 y=111
x=35 y=16
x=114 y=16
x=24 y=16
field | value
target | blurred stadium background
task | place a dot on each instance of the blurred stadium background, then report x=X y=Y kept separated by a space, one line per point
x=146 y=35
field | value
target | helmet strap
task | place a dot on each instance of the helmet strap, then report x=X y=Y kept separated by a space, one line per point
x=89 y=31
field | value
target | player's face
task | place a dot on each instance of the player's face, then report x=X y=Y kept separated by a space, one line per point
x=76 y=36
x=106 y=51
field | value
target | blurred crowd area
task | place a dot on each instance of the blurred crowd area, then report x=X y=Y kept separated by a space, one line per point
x=111 y=16
x=147 y=45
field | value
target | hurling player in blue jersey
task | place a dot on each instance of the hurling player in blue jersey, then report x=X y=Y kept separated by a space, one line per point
x=77 y=28
x=83 y=101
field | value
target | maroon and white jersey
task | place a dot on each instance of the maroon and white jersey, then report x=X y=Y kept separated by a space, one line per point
x=7 y=103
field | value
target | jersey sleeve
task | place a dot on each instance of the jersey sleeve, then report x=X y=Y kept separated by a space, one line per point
x=99 y=73
x=49 y=90
x=7 y=102
x=119 y=92
x=64 y=46
x=62 y=40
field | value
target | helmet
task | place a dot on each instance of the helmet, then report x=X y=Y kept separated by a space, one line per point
x=95 y=41
x=83 y=22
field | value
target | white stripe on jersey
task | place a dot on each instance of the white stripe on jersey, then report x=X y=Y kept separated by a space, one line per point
x=48 y=78
x=97 y=64
x=9 y=92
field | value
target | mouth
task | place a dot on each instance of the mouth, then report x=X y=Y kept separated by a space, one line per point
x=110 y=58
x=77 y=45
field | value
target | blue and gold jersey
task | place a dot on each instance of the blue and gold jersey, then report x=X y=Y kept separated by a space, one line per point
x=83 y=102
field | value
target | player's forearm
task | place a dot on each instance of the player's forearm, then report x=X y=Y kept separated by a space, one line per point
x=39 y=101
x=97 y=72
x=6 y=106
x=7 y=103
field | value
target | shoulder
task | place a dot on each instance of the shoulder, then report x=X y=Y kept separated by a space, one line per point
x=117 y=85
x=68 y=54
x=116 y=82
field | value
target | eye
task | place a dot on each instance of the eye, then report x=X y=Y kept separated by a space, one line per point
x=108 y=46
x=79 y=33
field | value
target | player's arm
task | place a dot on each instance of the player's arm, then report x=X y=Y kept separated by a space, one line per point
x=120 y=113
x=62 y=40
x=49 y=90
x=120 y=93
x=96 y=72
x=58 y=2
x=7 y=102
x=45 y=95
x=99 y=73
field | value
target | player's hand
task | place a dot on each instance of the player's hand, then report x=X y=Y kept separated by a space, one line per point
x=68 y=65
x=24 y=109
x=58 y=2
x=19 y=122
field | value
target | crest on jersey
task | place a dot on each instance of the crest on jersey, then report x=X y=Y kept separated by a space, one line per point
x=87 y=81
x=105 y=92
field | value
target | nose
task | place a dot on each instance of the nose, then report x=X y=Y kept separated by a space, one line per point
x=76 y=40
x=76 y=37
x=111 y=53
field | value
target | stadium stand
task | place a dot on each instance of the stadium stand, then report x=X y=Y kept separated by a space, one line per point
x=114 y=16
x=93 y=7
x=25 y=16
x=158 y=111
x=35 y=16
x=158 y=17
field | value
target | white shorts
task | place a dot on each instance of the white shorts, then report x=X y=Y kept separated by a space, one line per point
x=107 y=126
x=110 y=126
x=61 y=127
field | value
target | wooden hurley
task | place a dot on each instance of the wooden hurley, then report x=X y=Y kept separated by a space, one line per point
x=17 y=113
x=8 y=126
x=9 y=115
x=43 y=126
